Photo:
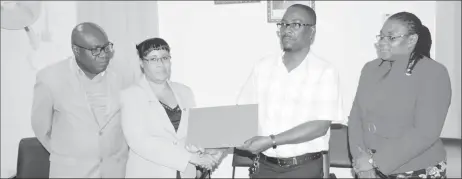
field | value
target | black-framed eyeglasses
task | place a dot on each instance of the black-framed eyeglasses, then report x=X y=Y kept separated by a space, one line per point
x=294 y=25
x=97 y=50
x=389 y=37
x=162 y=59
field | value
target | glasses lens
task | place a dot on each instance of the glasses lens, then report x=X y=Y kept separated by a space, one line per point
x=96 y=51
x=279 y=25
x=166 y=58
x=295 y=25
x=108 y=48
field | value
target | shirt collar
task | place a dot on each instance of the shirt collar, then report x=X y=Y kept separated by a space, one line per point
x=309 y=56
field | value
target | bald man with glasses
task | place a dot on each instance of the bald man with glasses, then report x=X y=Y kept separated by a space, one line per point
x=76 y=110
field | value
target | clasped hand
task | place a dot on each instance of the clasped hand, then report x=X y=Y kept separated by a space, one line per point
x=205 y=158
x=362 y=167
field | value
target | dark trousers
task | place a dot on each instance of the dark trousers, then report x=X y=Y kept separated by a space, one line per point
x=310 y=169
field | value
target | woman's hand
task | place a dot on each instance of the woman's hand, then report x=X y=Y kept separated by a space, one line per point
x=217 y=154
x=203 y=160
x=194 y=149
x=367 y=174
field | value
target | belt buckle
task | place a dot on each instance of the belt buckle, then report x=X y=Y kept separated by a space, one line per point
x=294 y=160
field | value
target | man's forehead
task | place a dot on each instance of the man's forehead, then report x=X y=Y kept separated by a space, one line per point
x=297 y=14
x=92 y=40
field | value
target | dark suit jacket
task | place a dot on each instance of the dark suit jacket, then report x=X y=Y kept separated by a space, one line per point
x=401 y=116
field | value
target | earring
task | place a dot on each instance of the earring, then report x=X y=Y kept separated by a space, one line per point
x=142 y=68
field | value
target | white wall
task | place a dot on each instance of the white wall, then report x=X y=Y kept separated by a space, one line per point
x=447 y=46
x=126 y=24
x=215 y=46
x=18 y=76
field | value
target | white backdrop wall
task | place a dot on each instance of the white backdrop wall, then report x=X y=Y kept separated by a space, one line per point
x=215 y=46
x=126 y=24
x=18 y=76
x=213 y=49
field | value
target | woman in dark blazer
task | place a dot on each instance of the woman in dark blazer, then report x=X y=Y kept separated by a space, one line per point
x=400 y=106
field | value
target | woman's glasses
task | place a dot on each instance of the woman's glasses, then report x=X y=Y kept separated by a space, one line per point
x=388 y=38
x=155 y=60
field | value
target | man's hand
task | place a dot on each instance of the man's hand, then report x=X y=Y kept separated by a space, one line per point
x=215 y=153
x=361 y=164
x=257 y=144
x=367 y=174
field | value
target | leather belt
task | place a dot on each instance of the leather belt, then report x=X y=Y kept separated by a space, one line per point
x=291 y=161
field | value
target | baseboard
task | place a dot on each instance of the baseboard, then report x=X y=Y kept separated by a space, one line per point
x=450 y=139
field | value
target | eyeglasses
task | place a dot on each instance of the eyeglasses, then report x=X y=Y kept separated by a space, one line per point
x=294 y=26
x=162 y=59
x=97 y=51
x=388 y=37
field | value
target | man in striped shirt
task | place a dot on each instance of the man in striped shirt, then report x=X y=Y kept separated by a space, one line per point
x=298 y=97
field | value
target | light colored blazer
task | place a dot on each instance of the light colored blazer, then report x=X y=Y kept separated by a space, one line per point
x=80 y=146
x=156 y=150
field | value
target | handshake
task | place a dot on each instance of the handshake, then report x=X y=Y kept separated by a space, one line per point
x=206 y=158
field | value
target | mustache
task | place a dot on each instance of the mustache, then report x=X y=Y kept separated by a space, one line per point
x=288 y=36
x=283 y=35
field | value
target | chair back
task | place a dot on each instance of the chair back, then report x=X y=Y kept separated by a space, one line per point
x=33 y=159
x=338 y=155
x=339 y=150
x=242 y=158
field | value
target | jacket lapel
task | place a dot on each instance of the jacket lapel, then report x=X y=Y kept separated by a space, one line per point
x=113 y=106
x=182 y=129
x=155 y=107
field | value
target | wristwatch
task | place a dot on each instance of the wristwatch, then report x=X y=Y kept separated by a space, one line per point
x=274 y=141
x=376 y=169
x=371 y=161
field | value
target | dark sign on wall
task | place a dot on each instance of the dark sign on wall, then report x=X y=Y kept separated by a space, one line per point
x=234 y=2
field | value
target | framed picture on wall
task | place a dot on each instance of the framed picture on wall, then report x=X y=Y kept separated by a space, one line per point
x=276 y=9
x=234 y=2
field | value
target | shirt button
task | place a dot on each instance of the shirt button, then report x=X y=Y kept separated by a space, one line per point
x=175 y=143
x=101 y=160
x=100 y=133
